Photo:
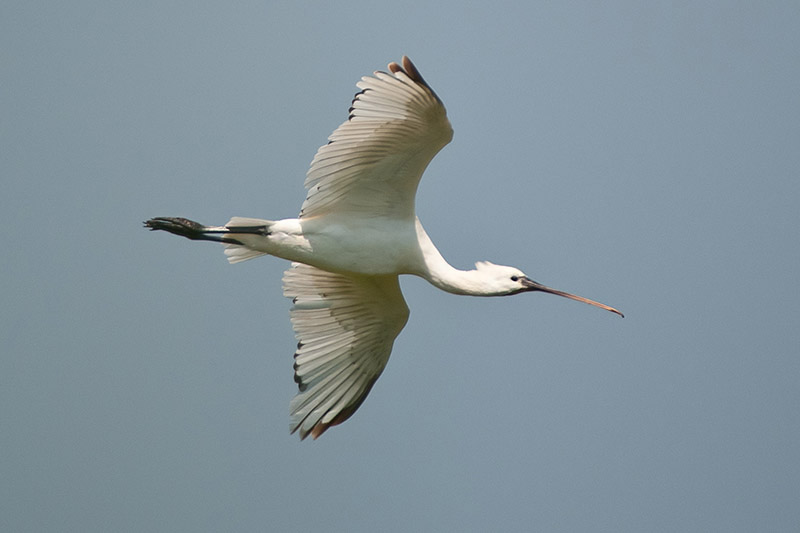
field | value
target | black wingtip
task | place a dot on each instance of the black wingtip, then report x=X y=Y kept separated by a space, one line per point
x=410 y=70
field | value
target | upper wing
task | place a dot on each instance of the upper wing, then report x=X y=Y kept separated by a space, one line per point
x=345 y=327
x=373 y=162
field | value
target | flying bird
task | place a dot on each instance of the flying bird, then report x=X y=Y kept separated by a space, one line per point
x=356 y=233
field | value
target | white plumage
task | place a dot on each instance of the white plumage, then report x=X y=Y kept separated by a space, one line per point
x=356 y=233
x=346 y=326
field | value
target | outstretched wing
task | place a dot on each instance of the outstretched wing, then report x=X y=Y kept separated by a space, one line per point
x=373 y=162
x=345 y=327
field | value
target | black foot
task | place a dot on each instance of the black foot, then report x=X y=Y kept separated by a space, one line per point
x=179 y=226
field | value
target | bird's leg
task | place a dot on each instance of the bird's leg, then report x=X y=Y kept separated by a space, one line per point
x=191 y=229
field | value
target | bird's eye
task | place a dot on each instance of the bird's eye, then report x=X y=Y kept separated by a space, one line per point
x=514 y=278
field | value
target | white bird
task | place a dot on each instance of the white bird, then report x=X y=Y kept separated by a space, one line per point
x=356 y=233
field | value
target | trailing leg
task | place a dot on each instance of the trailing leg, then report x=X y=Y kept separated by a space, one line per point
x=193 y=230
x=244 y=238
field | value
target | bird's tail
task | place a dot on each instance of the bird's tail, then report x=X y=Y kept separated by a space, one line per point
x=243 y=229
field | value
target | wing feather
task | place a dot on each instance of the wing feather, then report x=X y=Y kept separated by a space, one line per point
x=346 y=327
x=373 y=162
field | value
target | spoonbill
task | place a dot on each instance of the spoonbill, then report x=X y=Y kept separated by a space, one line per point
x=356 y=233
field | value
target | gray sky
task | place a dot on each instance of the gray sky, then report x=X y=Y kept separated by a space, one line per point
x=641 y=154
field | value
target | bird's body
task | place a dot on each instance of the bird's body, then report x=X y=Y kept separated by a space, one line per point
x=383 y=247
x=356 y=233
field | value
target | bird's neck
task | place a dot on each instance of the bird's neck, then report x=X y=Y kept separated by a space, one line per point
x=443 y=275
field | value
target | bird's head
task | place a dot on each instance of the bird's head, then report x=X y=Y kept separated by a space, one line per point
x=505 y=280
x=501 y=280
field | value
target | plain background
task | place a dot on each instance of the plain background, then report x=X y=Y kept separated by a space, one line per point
x=642 y=154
